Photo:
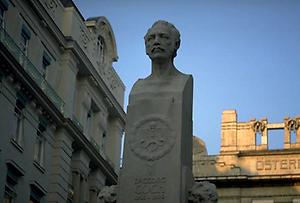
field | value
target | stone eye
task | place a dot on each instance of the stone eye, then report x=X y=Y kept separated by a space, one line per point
x=151 y=37
x=165 y=36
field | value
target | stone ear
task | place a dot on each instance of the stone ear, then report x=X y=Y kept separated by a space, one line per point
x=177 y=44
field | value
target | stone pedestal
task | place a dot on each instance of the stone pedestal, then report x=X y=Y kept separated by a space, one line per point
x=157 y=166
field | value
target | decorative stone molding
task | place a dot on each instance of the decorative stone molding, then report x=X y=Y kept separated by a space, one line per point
x=292 y=124
x=153 y=138
x=258 y=126
x=108 y=194
x=203 y=192
x=51 y=5
x=84 y=38
x=111 y=79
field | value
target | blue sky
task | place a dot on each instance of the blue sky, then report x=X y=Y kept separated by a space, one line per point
x=243 y=55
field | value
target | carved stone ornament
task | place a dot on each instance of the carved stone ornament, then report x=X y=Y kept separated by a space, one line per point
x=258 y=127
x=152 y=138
x=292 y=124
x=108 y=194
x=84 y=37
x=51 y=4
x=203 y=192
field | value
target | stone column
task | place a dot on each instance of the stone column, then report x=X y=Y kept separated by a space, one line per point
x=76 y=179
x=113 y=142
x=264 y=134
x=287 y=134
x=80 y=165
x=3 y=173
x=229 y=131
x=66 y=83
x=96 y=182
x=60 y=167
x=157 y=163
x=298 y=131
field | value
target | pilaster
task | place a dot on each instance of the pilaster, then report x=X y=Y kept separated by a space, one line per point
x=229 y=131
x=67 y=82
x=60 y=169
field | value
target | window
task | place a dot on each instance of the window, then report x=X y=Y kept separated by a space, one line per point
x=258 y=139
x=36 y=193
x=293 y=136
x=39 y=144
x=3 y=8
x=14 y=173
x=103 y=140
x=25 y=37
x=88 y=122
x=19 y=119
x=2 y=11
x=9 y=195
x=91 y=118
x=101 y=49
x=46 y=61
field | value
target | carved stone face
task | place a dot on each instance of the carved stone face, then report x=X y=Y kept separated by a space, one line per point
x=160 y=42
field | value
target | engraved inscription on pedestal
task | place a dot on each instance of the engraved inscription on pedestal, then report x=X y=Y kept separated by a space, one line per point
x=152 y=138
x=150 y=188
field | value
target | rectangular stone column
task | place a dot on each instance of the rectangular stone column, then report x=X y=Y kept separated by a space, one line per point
x=96 y=183
x=60 y=167
x=113 y=142
x=80 y=167
x=157 y=165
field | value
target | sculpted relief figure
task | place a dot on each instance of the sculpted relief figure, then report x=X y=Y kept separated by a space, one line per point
x=108 y=194
x=203 y=192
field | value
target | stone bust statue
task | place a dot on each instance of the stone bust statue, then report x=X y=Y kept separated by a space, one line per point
x=158 y=143
x=162 y=42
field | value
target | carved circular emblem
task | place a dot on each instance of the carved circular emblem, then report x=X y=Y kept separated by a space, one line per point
x=152 y=138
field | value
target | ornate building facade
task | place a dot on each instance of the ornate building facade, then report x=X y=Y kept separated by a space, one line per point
x=246 y=170
x=61 y=103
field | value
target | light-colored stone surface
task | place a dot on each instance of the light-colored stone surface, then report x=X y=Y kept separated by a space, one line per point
x=158 y=144
x=247 y=171
x=62 y=144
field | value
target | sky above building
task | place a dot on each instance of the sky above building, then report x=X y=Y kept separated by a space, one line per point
x=243 y=55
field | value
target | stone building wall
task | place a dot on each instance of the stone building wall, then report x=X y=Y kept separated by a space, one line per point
x=246 y=170
x=61 y=100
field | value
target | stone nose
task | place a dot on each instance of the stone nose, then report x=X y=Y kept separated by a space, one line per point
x=156 y=40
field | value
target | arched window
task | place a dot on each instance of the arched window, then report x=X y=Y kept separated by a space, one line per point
x=101 y=49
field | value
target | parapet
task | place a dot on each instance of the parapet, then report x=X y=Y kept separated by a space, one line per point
x=253 y=135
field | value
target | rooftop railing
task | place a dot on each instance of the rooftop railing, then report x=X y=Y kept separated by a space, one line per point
x=31 y=70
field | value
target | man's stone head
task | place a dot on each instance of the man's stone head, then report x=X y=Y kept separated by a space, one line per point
x=203 y=192
x=162 y=40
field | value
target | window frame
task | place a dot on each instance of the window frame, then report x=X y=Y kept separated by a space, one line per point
x=24 y=39
x=19 y=123
x=3 y=8
x=46 y=62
